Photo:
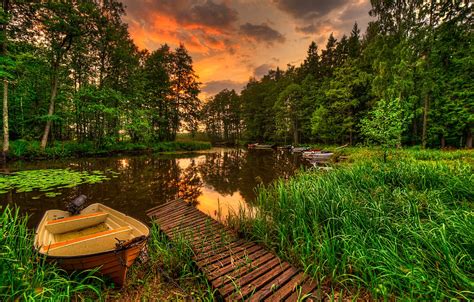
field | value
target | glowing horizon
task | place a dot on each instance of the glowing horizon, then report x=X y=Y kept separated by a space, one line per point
x=233 y=40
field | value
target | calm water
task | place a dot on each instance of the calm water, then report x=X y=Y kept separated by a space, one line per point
x=216 y=180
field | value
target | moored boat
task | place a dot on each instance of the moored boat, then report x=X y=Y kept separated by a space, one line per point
x=98 y=236
x=317 y=155
x=299 y=149
x=260 y=146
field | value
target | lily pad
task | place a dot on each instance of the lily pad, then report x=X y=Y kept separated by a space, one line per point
x=49 y=180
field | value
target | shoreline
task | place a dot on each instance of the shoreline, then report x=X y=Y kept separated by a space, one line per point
x=30 y=151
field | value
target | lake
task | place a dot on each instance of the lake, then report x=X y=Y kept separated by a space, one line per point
x=216 y=180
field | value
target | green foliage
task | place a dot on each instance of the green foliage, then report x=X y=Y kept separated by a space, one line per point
x=401 y=230
x=25 y=275
x=384 y=124
x=290 y=112
x=222 y=117
x=107 y=89
x=22 y=149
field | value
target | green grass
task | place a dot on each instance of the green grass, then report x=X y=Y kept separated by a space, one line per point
x=401 y=229
x=21 y=149
x=26 y=276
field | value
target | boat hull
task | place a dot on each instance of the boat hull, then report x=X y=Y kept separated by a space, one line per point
x=113 y=264
x=318 y=156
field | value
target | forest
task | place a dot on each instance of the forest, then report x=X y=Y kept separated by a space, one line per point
x=71 y=72
x=406 y=81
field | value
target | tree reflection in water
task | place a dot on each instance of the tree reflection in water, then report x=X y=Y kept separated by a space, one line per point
x=189 y=184
x=225 y=176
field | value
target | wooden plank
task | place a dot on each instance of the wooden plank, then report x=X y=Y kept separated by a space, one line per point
x=275 y=284
x=286 y=290
x=229 y=268
x=157 y=208
x=182 y=221
x=245 y=283
x=200 y=227
x=221 y=249
x=262 y=280
x=257 y=259
x=308 y=286
x=169 y=208
x=211 y=241
x=192 y=234
x=230 y=259
x=230 y=253
x=175 y=213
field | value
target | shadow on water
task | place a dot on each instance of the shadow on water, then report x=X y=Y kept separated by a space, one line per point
x=214 y=181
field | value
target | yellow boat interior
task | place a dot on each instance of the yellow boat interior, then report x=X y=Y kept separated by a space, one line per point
x=96 y=229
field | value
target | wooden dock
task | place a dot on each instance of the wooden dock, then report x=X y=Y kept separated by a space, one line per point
x=237 y=268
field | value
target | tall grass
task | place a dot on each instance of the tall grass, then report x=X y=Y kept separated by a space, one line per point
x=404 y=228
x=26 y=276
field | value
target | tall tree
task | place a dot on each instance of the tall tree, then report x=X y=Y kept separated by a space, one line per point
x=61 y=23
x=290 y=111
x=5 y=62
x=185 y=88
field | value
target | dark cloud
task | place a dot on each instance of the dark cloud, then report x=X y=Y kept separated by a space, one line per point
x=308 y=8
x=211 y=14
x=308 y=29
x=262 y=33
x=214 y=87
x=206 y=13
x=262 y=70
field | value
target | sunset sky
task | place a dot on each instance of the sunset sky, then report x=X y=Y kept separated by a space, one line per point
x=233 y=40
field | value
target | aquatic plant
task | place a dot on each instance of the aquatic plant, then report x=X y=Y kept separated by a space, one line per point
x=399 y=229
x=48 y=180
x=26 y=276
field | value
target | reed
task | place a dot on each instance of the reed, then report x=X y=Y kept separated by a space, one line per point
x=401 y=229
x=26 y=276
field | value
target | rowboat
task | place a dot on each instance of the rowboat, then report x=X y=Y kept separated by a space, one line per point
x=260 y=146
x=299 y=149
x=317 y=155
x=97 y=237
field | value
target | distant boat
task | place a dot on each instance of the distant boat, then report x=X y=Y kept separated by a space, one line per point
x=97 y=237
x=260 y=146
x=299 y=149
x=317 y=155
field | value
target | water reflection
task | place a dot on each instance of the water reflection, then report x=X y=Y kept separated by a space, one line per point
x=215 y=182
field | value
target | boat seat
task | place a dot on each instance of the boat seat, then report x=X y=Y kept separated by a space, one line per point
x=89 y=244
x=76 y=222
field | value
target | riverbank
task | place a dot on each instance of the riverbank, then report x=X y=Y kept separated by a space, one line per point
x=24 y=275
x=401 y=229
x=30 y=150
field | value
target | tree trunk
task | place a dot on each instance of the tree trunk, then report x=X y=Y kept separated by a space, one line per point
x=47 y=128
x=469 y=138
x=295 y=134
x=425 y=121
x=442 y=141
x=6 y=141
